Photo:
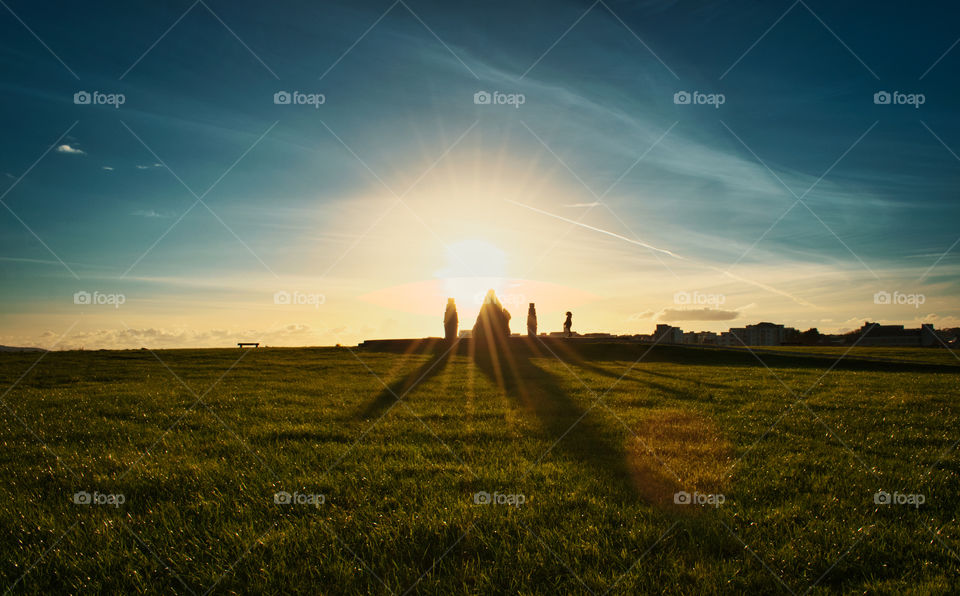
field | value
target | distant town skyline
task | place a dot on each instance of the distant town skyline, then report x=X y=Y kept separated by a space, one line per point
x=198 y=175
x=765 y=333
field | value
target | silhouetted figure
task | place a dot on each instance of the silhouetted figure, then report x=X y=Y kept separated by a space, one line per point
x=450 y=320
x=532 y=321
x=493 y=321
x=568 y=325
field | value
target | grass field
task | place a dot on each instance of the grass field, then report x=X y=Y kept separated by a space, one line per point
x=584 y=448
x=928 y=355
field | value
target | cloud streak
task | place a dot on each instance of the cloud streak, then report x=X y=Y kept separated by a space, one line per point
x=600 y=230
x=70 y=150
x=739 y=278
x=698 y=314
x=150 y=213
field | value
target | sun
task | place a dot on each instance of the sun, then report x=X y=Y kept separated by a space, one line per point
x=474 y=258
x=472 y=266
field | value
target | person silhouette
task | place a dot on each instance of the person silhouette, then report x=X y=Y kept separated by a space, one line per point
x=450 y=320
x=532 y=321
x=493 y=320
x=568 y=325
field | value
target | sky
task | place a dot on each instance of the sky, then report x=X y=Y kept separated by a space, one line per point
x=188 y=204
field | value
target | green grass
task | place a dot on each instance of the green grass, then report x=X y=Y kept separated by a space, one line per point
x=399 y=479
x=936 y=355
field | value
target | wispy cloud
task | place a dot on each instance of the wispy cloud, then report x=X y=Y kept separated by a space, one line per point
x=698 y=314
x=160 y=337
x=150 y=213
x=65 y=148
x=154 y=165
x=593 y=204
x=108 y=168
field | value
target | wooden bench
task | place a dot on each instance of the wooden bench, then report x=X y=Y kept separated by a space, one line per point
x=248 y=343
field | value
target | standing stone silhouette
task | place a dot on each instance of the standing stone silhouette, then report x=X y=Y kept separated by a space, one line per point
x=493 y=321
x=450 y=320
x=532 y=321
x=568 y=325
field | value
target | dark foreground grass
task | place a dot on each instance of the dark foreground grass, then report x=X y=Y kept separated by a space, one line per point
x=936 y=354
x=199 y=441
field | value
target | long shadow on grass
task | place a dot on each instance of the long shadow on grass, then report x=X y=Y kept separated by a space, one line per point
x=575 y=357
x=573 y=361
x=397 y=390
x=642 y=377
x=510 y=366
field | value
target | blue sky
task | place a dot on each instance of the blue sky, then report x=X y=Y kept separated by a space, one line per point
x=369 y=191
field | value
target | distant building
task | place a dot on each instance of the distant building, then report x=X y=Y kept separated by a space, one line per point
x=873 y=334
x=727 y=339
x=699 y=338
x=761 y=334
x=668 y=334
x=707 y=338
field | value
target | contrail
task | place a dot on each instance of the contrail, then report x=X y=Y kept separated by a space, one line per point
x=602 y=231
x=762 y=286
